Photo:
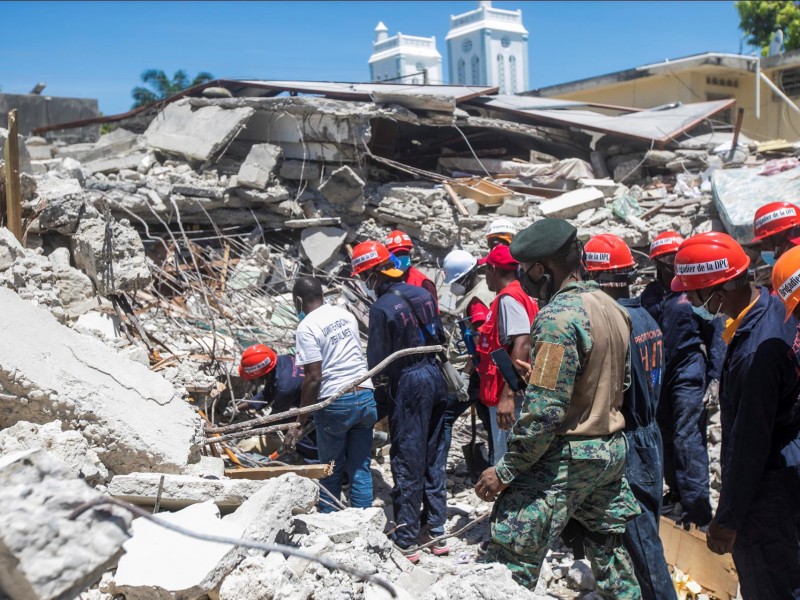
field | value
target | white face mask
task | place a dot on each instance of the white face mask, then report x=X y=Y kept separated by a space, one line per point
x=458 y=289
x=704 y=306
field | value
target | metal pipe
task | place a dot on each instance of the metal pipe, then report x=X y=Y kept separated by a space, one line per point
x=779 y=92
x=758 y=88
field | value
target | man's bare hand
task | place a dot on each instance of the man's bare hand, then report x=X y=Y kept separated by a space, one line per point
x=489 y=485
x=524 y=369
x=292 y=437
x=719 y=539
x=506 y=414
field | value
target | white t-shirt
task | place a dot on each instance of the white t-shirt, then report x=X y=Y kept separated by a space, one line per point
x=512 y=321
x=329 y=335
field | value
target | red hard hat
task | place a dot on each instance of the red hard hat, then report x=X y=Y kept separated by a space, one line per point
x=665 y=242
x=370 y=254
x=398 y=240
x=257 y=361
x=707 y=260
x=773 y=218
x=606 y=252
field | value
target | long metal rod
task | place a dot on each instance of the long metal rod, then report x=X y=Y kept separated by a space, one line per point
x=779 y=92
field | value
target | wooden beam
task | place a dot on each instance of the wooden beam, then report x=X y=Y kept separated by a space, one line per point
x=687 y=550
x=260 y=473
x=462 y=210
x=13 y=195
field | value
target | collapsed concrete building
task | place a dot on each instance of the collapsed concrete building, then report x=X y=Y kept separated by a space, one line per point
x=155 y=255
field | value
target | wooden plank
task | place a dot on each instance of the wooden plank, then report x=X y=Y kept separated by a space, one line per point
x=259 y=473
x=687 y=550
x=13 y=195
x=462 y=210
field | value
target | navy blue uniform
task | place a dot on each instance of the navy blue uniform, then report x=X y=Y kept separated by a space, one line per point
x=645 y=467
x=760 y=496
x=417 y=401
x=694 y=351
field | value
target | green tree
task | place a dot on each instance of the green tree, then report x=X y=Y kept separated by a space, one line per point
x=161 y=86
x=759 y=19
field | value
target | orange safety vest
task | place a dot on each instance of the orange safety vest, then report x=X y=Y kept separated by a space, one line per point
x=491 y=379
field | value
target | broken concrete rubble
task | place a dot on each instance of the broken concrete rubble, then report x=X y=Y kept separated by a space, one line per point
x=258 y=166
x=46 y=555
x=320 y=244
x=572 y=203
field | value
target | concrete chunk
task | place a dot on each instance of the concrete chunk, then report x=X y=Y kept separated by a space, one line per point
x=115 y=164
x=259 y=165
x=343 y=526
x=320 y=244
x=182 y=490
x=131 y=416
x=343 y=186
x=195 y=134
x=298 y=170
x=10 y=249
x=45 y=555
x=513 y=207
x=572 y=203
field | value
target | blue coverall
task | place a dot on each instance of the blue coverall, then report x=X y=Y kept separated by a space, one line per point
x=417 y=398
x=694 y=351
x=645 y=467
x=760 y=496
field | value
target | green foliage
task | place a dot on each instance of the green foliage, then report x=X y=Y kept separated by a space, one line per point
x=760 y=18
x=161 y=86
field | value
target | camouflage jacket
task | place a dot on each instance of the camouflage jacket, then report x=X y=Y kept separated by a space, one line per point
x=561 y=342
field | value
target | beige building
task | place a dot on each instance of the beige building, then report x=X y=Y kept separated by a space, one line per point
x=770 y=109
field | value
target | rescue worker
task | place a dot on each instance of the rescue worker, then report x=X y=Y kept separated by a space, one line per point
x=399 y=243
x=610 y=263
x=694 y=350
x=416 y=392
x=500 y=231
x=329 y=347
x=566 y=453
x=759 y=503
x=474 y=297
x=777 y=226
x=279 y=380
x=507 y=326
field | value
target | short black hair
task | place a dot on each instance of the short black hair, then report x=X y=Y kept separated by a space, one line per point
x=307 y=288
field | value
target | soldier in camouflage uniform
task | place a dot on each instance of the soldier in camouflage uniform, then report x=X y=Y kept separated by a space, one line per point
x=566 y=456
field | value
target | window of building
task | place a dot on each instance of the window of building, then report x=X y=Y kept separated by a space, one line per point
x=512 y=67
x=466 y=46
x=501 y=73
x=476 y=70
x=790 y=82
x=462 y=71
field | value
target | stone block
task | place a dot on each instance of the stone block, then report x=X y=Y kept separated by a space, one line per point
x=609 y=187
x=258 y=167
x=571 y=204
x=320 y=244
x=513 y=207
x=115 y=164
x=343 y=526
x=132 y=417
x=298 y=170
x=343 y=187
x=10 y=249
x=180 y=491
x=472 y=207
x=195 y=134
x=45 y=555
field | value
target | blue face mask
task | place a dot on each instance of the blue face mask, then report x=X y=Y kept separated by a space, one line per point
x=768 y=256
x=403 y=262
x=301 y=315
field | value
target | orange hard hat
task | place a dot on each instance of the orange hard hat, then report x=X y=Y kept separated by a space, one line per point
x=665 y=242
x=370 y=254
x=257 y=361
x=773 y=218
x=606 y=252
x=707 y=260
x=786 y=279
x=398 y=240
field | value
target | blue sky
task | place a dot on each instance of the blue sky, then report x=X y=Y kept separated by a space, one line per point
x=99 y=49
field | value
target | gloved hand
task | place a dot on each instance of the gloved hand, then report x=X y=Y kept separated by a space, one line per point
x=711 y=397
x=463 y=392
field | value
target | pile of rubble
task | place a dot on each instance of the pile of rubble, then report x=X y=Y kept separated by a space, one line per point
x=155 y=255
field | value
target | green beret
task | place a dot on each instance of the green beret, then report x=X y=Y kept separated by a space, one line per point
x=542 y=239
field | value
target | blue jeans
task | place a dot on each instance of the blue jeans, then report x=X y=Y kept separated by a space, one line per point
x=344 y=435
x=500 y=436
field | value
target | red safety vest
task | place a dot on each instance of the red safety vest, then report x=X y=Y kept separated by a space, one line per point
x=417 y=278
x=491 y=379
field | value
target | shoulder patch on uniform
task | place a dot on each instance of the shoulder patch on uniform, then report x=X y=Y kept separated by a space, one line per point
x=547 y=365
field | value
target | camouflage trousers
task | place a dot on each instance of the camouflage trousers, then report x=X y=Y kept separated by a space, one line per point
x=579 y=478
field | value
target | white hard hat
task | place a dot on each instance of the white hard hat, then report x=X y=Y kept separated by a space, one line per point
x=457 y=264
x=500 y=226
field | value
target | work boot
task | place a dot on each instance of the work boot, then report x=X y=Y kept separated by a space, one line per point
x=440 y=548
x=413 y=554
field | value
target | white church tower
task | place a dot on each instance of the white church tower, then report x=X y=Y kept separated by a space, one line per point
x=489 y=46
x=404 y=58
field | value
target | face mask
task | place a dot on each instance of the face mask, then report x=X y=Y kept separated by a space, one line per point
x=458 y=289
x=301 y=315
x=372 y=295
x=404 y=262
x=704 y=306
x=768 y=256
x=539 y=290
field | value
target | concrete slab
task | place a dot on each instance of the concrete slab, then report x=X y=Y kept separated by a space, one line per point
x=196 y=135
x=258 y=167
x=131 y=416
x=115 y=164
x=320 y=244
x=343 y=187
x=573 y=203
x=45 y=555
